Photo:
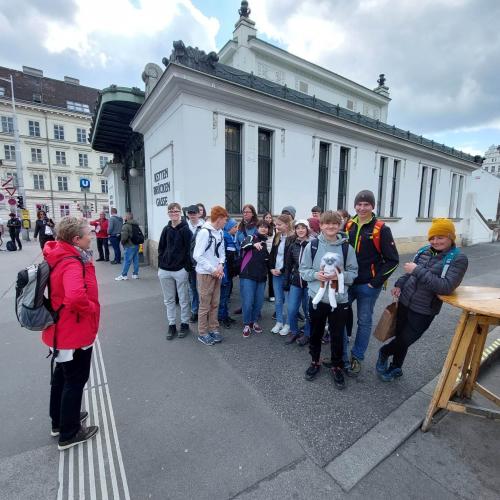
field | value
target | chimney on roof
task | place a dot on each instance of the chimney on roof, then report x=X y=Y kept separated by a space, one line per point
x=71 y=80
x=32 y=71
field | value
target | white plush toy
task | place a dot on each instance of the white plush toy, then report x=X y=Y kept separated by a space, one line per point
x=331 y=264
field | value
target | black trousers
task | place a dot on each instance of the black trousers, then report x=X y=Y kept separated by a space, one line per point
x=410 y=326
x=66 y=393
x=336 y=324
x=102 y=244
x=270 y=284
x=14 y=236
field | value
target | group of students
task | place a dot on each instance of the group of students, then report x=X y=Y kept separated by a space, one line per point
x=199 y=257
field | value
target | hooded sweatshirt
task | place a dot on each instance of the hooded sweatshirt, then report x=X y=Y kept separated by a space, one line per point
x=174 y=247
x=308 y=269
x=78 y=294
x=209 y=249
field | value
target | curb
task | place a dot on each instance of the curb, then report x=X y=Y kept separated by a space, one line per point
x=352 y=465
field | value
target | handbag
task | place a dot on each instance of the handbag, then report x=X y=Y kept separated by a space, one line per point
x=386 y=326
x=48 y=231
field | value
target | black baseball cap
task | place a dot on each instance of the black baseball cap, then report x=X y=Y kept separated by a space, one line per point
x=192 y=209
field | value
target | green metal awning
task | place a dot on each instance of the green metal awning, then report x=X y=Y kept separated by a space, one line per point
x=116 y=107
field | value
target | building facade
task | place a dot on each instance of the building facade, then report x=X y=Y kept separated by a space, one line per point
x=53 y=119
x=491 y=162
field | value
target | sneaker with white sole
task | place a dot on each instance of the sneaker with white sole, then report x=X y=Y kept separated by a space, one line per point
x=135 y=276
x=121 y=278
x=216 y=337
x=276 y=328
x=285 y=331
x=83 y=417
x=84 y=434
x=206 y=339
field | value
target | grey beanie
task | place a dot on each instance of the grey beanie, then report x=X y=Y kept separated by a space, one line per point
x=365 y=195
x=291 y=210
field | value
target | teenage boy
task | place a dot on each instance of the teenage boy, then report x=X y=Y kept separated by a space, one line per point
x=210 y=255
x=174 y=264
x=329 y=240
x=316 y=212
x=194 y=223
x=378 y=258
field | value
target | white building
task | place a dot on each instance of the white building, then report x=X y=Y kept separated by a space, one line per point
x=491 y=162
x=53 y=121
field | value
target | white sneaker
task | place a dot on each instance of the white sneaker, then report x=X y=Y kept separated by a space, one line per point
x=271 y=299
x=285 y=331
x=121 y=278
x=277 y=327
x=135 y=276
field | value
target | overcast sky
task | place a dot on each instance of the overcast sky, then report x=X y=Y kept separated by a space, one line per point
x=441 y=57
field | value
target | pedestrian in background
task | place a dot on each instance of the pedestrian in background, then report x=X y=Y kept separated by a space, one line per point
x=437 y=269
x=253 y=276
x=316 y=212
x=101 y=232
x=14 y=225
x=195 y=224
x=209 y=254
x=202 y=211
x=115 y=225
x=174 y=265
x=44 y=228
x=131 y=249
x=74 y=295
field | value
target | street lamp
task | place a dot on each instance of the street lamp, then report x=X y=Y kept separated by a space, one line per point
x=19 y=165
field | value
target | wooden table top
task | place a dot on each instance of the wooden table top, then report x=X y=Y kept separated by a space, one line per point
x=477 y=299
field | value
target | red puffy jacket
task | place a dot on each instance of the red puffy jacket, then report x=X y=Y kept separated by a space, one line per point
x=79 y=318
x=103 y=227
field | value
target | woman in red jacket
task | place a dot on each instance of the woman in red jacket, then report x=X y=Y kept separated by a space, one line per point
x=74 y=295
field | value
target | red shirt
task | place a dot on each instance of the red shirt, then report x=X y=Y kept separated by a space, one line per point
x=101 y=226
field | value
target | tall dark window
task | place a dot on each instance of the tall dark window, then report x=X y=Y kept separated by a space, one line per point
x=432 y=192
x=324 y=161
x=233 y=167
x=381 y=185
x=421 y=198
x=394 y=188
x=265 y=175
x=343 y=174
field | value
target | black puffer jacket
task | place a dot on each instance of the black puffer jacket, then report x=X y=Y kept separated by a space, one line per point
x=420 y=289
x=293 y=257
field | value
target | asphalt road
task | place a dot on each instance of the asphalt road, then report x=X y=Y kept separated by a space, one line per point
x=181 y=420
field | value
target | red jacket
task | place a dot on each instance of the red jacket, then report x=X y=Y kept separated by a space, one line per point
x=103 y=227
x=79 y=318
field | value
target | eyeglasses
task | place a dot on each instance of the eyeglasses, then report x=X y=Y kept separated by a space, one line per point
x=247 y=212
x=174 y=211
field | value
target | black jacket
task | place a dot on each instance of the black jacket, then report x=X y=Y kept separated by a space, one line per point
x=292 y=261
x=174 y=247
x=14 y=225
x=374 y=267
x=254 y=263
x=420 y=289
x=40 y=228
x=274 y=250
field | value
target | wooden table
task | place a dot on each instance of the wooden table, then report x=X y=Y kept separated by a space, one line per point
x=481 y=309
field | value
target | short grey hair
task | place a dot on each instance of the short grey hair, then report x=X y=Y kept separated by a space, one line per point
x=69 y=227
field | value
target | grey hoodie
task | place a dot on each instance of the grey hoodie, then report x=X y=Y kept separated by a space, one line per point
x=308 y=269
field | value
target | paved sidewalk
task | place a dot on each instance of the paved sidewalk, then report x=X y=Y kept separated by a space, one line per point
x=235 y=420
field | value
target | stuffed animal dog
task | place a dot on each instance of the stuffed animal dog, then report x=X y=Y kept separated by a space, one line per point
x=331 y=264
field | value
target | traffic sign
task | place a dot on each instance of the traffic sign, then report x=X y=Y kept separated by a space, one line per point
x=12 y=202
x=8 y=181
x=25 y=214
x=11 y=191
x=2 y=197
x=85 y=184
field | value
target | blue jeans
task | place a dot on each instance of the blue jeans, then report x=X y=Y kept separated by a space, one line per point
x=193 y=292
x=115 y=243
x=279 y=298
x=252 y=298
x=296 y=297
x=131 y=255
x=365 y=298
x=225 y=292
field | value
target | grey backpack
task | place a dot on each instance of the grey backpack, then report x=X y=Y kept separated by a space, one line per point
x=33 y=309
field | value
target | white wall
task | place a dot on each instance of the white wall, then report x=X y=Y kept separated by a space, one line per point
x=487 y=188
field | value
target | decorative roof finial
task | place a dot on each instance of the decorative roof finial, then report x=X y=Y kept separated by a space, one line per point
x=381 y=80
x=244 y=11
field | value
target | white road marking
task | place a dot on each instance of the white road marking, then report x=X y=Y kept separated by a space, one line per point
x=106 y=479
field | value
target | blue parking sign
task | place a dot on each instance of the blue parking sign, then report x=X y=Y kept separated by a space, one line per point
x=85 y=183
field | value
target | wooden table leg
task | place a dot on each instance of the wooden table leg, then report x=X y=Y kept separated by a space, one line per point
x=459 y=331
x=475 y=363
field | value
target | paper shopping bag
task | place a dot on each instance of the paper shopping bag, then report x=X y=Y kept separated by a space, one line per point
x=386 y=327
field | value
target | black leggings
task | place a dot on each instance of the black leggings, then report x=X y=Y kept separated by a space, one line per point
x=410 y=326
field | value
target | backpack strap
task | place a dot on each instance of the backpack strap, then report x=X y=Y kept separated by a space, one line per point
x=447 y=260
x=348 y=225
x=377 y=228
x=420 y=251
x=314 y=249
x=345 y=251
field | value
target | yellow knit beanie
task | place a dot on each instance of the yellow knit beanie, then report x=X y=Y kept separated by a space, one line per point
x=442 y=227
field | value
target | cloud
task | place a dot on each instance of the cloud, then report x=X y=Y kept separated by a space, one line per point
x=100 y=42
x=440 y=57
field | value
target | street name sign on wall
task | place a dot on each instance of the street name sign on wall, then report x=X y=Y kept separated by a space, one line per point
x=161 y=189
x=85 y=184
